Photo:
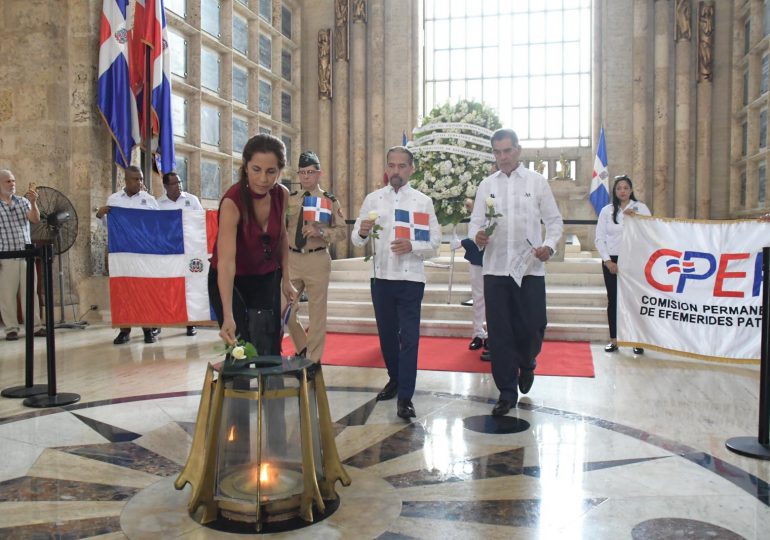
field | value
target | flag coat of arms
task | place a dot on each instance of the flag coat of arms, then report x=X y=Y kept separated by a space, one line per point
x=317 y=209
x=413 y=226
x=159 y=263
x=600 y=192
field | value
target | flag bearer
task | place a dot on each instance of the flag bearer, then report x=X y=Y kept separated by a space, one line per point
x=403 y=223
x=314 y=220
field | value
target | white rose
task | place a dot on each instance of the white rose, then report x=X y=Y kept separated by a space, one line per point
x=490 y=202
x=372 y=215
x=239 y=353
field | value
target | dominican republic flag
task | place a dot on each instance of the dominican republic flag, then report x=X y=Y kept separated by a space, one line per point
x=600 y=192
x=150 y=36
x=317 y=209
x=115 y=101
x=412 y=225
x=159 y=264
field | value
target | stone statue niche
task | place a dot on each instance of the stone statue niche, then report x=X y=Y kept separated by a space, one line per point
x=324 y=64
x=683 y=14
x=341 y=29
x=705 y=41
x=359 y=11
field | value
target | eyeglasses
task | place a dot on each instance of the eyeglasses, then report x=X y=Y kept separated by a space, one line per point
x=308 y=172
x=266 y=246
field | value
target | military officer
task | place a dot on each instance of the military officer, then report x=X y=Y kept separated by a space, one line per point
x=311 y=226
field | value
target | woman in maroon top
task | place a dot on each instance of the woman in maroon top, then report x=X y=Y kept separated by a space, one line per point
x=250 y=266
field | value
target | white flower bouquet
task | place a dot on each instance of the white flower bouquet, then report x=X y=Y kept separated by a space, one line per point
x=452 y=155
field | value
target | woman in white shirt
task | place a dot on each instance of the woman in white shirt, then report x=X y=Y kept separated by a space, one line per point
x=609 y=233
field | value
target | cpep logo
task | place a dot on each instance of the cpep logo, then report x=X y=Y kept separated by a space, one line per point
x=667 y=268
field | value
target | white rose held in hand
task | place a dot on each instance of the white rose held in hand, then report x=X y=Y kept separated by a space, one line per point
x=373 y=215
x=239 y=353
x=491 y=215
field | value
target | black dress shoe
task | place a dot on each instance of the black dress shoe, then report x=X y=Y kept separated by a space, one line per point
x=405 y=409
x=486 y=356
x=486 y=344
x=191 y=331
x=389 y=391
x=475 y=344
x=502 y=407
x=526 y=378
x=467 y=302
x=155 y=331
x=149 y=337
x=610 y=347
x=122 y=338
x=638 y=350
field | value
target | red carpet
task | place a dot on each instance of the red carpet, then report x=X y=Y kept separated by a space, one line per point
x=559 y=358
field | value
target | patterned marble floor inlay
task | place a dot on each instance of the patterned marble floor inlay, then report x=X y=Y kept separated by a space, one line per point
x=520 y=513
x=126 y=454
x=664 y=529
x=435 y=477
x=495 y=425
x=30 y=489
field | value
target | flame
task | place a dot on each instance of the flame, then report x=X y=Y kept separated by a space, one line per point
x=264 y=474
x=231 y=434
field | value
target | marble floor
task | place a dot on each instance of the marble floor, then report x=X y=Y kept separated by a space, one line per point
x=637 y=452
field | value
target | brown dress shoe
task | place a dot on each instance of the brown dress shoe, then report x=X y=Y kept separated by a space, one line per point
x=12 y=336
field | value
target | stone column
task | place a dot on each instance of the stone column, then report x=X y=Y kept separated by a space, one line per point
x=324 y=99
x=640 y=165
x=703 y=133
x=340 y=89
x=358 y=139
x=752 y=117
x=736 y=76
x=682 y=169
x=376 y=93
x=661 y=197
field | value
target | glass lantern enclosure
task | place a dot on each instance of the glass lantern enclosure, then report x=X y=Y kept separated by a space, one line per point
x=263 y=449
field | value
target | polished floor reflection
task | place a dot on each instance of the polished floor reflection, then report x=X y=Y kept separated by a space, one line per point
x=636 y=452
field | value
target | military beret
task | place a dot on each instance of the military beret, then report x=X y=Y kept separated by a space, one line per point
x=308 y=158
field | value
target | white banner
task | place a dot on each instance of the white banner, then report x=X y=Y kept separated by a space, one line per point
x=448 y=149
x=444 y=126
x=693 y=288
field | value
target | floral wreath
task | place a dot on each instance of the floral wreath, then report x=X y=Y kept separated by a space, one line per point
x=452 y=155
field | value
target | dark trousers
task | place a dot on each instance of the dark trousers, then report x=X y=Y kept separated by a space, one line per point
x=250 y=292
x=516 y=322
x=611 y=284
x=397 y=310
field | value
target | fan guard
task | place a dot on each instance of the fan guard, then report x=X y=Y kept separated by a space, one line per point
x=57 y=218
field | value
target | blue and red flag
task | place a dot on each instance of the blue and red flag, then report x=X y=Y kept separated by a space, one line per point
x=317 y=209
x=599 y=192
x=412 y=225
x=159 y=261
x=150 y=36
x=115 y=100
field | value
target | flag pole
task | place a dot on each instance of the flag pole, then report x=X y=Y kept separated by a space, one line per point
x=147 y=119
x=114 y=167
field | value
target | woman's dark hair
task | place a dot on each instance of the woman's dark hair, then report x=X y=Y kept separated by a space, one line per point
x=615 y=200
x=258 y=144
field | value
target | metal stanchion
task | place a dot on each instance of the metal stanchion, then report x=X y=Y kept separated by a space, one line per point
x=51 y=398
x=29 y=388
x=759 y=447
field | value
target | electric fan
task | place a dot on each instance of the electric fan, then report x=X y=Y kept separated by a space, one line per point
x=59 y=226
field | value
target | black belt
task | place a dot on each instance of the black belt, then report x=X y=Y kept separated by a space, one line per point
x=306 y=250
